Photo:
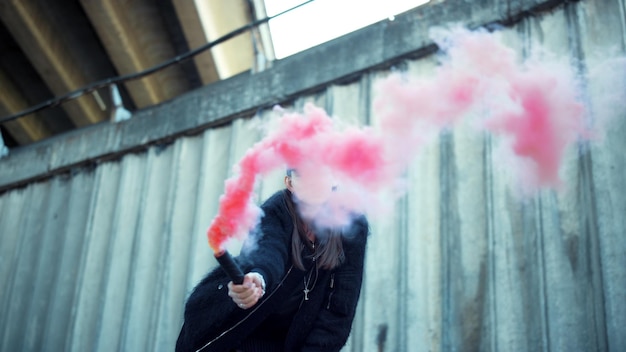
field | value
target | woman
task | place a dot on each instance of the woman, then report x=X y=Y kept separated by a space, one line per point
x=299 y=294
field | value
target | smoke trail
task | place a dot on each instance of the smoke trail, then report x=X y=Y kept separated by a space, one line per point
x=532 y=106
x=322 y=155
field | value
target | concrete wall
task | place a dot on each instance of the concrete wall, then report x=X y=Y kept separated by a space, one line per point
x=102 y=230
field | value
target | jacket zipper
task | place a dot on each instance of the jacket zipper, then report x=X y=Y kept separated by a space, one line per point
x=332 y=286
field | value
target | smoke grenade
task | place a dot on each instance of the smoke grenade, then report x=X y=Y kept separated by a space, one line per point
x=231 y=268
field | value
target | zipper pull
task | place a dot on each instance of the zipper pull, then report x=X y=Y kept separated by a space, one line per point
x=332 y=280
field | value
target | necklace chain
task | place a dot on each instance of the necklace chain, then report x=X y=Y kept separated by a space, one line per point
x=307 y=281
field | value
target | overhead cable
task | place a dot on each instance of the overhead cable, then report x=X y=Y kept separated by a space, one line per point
x=133 y=76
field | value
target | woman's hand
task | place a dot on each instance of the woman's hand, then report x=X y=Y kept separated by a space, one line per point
x=249 y=292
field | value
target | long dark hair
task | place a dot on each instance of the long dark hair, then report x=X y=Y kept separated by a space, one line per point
x=329 y=252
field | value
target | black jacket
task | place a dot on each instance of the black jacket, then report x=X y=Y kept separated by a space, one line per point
x=323 y=323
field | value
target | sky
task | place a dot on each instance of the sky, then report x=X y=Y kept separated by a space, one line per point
x=324 y=20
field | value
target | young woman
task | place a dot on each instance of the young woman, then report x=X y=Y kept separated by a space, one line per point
x=299 y=294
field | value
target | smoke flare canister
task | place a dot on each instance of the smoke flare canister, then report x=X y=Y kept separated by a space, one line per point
x=231 y=268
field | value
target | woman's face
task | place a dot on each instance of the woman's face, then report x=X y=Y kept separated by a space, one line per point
x=314 y=189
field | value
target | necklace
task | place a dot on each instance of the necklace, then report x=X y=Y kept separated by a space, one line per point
x=307 y=281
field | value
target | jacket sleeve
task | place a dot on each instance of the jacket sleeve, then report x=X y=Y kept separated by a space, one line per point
x=207 y=311
x=332 y=327
x=269 y=246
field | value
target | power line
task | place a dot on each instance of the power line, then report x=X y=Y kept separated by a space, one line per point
x=133 y=76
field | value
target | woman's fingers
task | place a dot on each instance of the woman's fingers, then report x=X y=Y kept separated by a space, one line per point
x=239 y=291
x=249 y=301
x=245 y=295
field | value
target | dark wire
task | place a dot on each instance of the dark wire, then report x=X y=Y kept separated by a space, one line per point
x=129 y=77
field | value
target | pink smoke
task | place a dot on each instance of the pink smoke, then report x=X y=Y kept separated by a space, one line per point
x=311 y=144
x=534 y=107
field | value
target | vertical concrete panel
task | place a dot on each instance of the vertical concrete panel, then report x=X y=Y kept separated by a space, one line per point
x=567 y=326
x=178 y=234
x=422 y=248
x=449 y=231
x=274 y=180
x=424 y=284
x=214 y=170
x=609 y=170
x=450 y=250
x=380 y=287
x=517 y=276
x=87 y=309
x=63 y=293
x=22 y=284
x=603 y=29
x=511 y=312
x=51 y=238
x=568 y=230
x=402 y=295
x=603 y=38
x=119 y=253
x=244 y=134
x=526 y=270
x=578 y=206
x=319 y=99
x=144 y=254
x=515 y=253
x=466 y=242
x=348 y=104
x=14 y=205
